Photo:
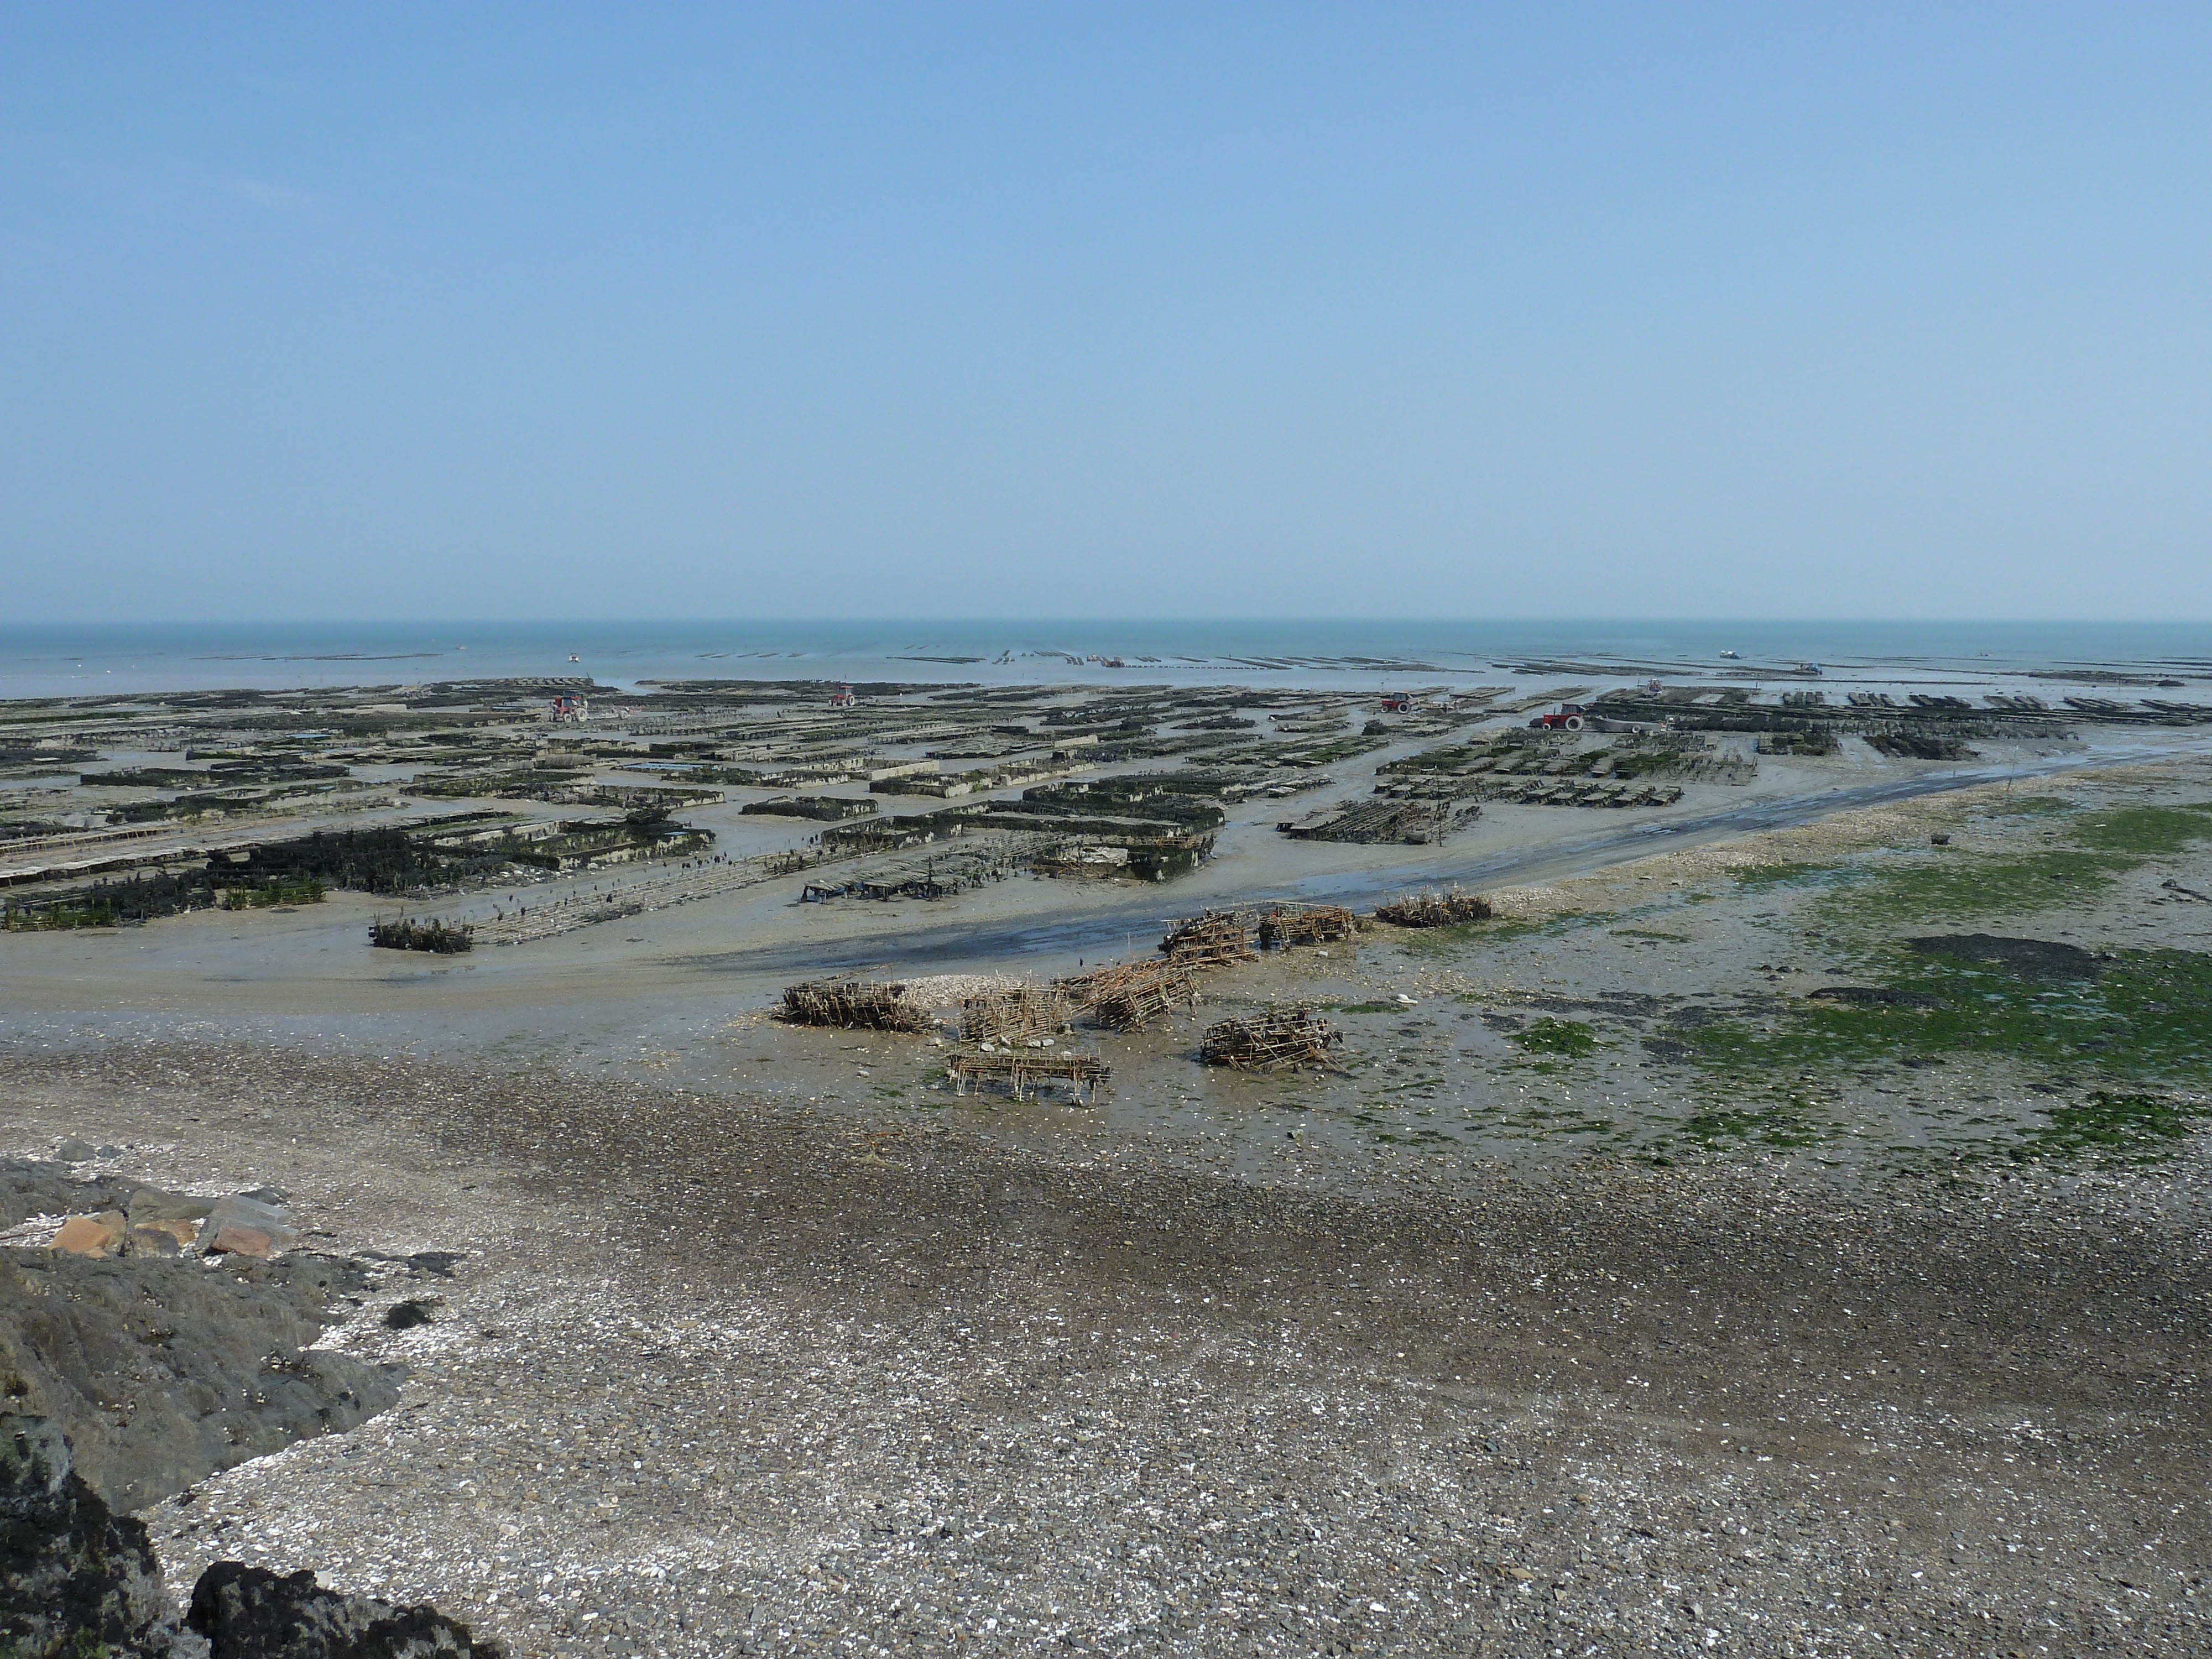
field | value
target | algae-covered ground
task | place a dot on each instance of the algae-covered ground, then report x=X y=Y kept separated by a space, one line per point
x=1985 y=980
x=2109 y=1041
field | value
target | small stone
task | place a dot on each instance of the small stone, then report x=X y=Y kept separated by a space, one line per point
x=238 y=1241
x=98 y=1235
x=178 y=1228
x=74 y=1151
x=160 y=1238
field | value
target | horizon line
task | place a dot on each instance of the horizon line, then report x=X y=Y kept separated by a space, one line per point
x=1095 y=621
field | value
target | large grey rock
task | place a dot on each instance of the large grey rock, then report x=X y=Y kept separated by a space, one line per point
x=243 y=1225
x=78 y=1580
x=75 y=1578
x=250 y=1612
x=32 y=1186
x=151 y=1203
x=163 y=1372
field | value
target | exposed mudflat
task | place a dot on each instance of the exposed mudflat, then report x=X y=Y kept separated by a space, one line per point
x=1618 y=1296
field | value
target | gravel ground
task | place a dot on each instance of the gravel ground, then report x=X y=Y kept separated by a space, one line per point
x=713 y=1377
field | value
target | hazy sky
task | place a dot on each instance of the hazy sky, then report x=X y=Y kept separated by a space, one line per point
x=333 y=310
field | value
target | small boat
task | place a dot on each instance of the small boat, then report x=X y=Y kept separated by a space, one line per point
x=1726 y=656
x=573 y=657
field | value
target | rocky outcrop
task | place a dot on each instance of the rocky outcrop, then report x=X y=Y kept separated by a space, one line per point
x=162 y=1372
x=250 y=1612
x=161 y=1365
x=150 y=1338
x=75 y=1578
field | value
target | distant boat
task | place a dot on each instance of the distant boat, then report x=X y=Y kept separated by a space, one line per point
x=1730 y=656
x=573 y=657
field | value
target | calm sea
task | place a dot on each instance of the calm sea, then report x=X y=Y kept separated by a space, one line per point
x=66 y=660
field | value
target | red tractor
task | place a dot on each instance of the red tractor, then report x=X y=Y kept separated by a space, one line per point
x=1567 y=717
x=1397 y=702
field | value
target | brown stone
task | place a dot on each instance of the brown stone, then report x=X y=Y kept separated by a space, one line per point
x=92 y=1235
x=180 y=1228
x=161 y=1238
x=236 y=1240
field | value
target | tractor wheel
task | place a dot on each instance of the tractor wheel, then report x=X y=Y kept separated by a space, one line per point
x=1573 y=723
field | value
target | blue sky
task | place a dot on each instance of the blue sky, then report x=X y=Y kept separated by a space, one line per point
x=840 y=310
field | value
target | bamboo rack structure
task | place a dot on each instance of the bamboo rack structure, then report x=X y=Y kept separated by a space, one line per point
x=1214 y=940
x=1022 y=1070
x=854 y=1005
x=1021 y=1011
x=1128 y=994
x=1434 y=909
x=445 y=938
x=1281 y=1036
x=1313 y=924
x=1417 y=823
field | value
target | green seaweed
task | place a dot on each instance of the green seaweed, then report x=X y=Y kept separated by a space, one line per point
x=1771 y=1126
x=1762 y=878
x=2146 y=830
x=1569 y=1037
x=1932 y=888
x=1950 y=886
x=2148 y=1016
x=306 y=889
x=1418 y=1083
x=2113 y=1129
x=1501 y=931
